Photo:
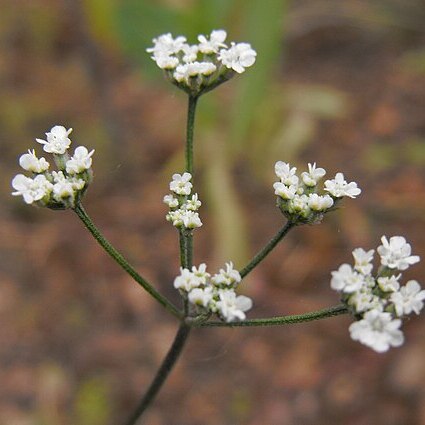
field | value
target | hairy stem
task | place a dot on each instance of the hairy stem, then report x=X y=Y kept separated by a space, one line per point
x=162 y=374
x=283 y=320
x=189 y=132
x=105 y=244
x=266 y=250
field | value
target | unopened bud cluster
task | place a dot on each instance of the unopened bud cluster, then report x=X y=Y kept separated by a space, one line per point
x=182 y=203
x=59 y=189
x=299 y=197
x=379 y=301
x=197 y=67
x=214 y=294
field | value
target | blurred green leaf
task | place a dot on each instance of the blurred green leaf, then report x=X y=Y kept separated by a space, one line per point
x=92 y=405
x=263 y=26
x=101 y=15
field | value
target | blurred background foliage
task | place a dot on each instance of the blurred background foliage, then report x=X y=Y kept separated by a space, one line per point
x=340 y=83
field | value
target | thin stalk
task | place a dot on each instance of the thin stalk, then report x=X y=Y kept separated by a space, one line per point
x=105 y=244
x=162 y=374
x=191 y=109
x=266 y=250
x=282 y=320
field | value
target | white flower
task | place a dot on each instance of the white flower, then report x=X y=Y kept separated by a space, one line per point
x=181 y=184
x=31 y=189
x=201 y=273
x=346 y=280
x=171 y=201
x=362 y=260
x=57 y=140
x=395 y=253
x=80 y=161
x=238 y=57
x=175 y=217
x=228 y=277
x=389 y=284
x=191 y=219
x=230 y=307
x=65 y=187
x=165 y=61
x=408 y=299
x=193 y=203
x=190 y=53
x=165 y=44
x=186 y=281
x=313 y=175
x=286 y=174
x=201 y=297
x=319 y=203
x=378 y=331
x=339 y=188
x=30 y=162
x=285 y=192
x=299 y=204
x=184 y=72
x=212 y=45
x=363 y=300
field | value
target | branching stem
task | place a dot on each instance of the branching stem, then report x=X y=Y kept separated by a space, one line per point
x=163 y=372
x=125 y=265
x=267 y=249
x=282 y=320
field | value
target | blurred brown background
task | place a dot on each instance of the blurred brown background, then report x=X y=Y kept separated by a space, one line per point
x=340 y=83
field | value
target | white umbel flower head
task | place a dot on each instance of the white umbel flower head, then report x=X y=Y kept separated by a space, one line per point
x=231 y=307
x=193 y=203
x=30 y=162
x=166 y=44
x=31 y=190
x=201 y=273
x=339 y=188
x=186 y=281
x=227 y=277
x=215 y=42
x=389 y=284
x=363 y=260
x=377 y=330
x=190 y=219
x=184 y=72
x=346 y=280
x=80 y=161
x=319 y=202
x=238 y=57
x=57 y=140
x=284 y=191
x=313 y=175
x=181 y=184
x=395 y=253
x=408 y=299
x=171 y=201
x=286 y=173
x=201 y=296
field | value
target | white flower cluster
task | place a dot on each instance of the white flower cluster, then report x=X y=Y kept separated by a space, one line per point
x=298 y=196
x=183 y=205
x=378 y=301
x=56 y=189
x=214 y=294
x=196 y=67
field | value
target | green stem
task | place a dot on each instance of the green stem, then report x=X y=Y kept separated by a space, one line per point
x=162 y=374
x=189 y=132
x=283 y=320
x=104 y=243
x=263 y=253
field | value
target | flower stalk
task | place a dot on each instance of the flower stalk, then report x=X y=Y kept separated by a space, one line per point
x=281 y=320
x=125 y=265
